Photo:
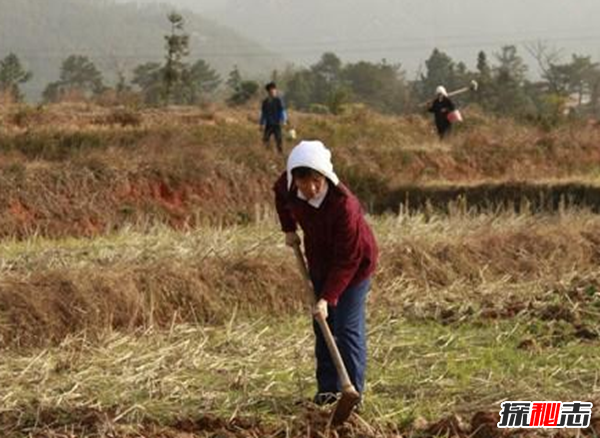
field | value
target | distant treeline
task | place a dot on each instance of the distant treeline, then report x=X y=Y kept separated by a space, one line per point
x=571 y=87
x=328 y=86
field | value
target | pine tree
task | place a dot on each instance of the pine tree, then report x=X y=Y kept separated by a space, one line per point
x=235 y=79
x=177 y=45
x=176 y=82
x=149 y=78
x=77 y=74
x=12 y=76
x=204 y=78
x=327 y=80
x=509 y=82
x=440 y=70
x=485 y=94
x=242 y=90
x=483 y=67
x=300 y=89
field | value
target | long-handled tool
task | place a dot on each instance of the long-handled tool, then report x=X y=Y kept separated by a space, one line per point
x=473 y=86
x=350 y=396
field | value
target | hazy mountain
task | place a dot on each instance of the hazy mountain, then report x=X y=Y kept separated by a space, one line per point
x=406 y=30
x=116 y=37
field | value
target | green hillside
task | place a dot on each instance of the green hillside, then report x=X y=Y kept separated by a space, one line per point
x=116 y=36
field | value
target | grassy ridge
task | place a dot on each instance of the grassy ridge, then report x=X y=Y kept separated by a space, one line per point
x=85 y=171
x=458 y=269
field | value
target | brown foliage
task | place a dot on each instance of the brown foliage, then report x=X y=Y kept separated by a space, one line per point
x=48 y=306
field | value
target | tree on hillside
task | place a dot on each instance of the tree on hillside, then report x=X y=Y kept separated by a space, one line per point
x=328 y=85
x=241 y=90
x=381 y=86
x=323 y=84
x=483 y=67
x=300 y=89
x=485 y=94
x=78 y=74
x=205 y=78
x=149 y=78
x=235 y=78
x=328 y=69
x=245 y=92
x=546 y=59
x=462 y=75
x=510 y=64
x=121 y=85
x=176 y=82
x=197 y=82
x=509 y=81
x=577 y=78
x=440 y=70
x=12 y=76
x=119 y=67
x=177 y=45
x=595 y=96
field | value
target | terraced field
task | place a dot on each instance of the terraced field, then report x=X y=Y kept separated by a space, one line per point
x=145 y=290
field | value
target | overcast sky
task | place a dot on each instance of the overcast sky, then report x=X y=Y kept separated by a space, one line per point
x=404 y=31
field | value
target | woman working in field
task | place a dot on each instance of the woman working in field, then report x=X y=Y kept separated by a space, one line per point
x=341 y=252
x=441 y=107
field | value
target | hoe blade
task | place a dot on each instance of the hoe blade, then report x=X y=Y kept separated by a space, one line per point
x=344 y=407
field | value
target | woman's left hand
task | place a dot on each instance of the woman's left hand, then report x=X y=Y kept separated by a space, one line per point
x=321 y=308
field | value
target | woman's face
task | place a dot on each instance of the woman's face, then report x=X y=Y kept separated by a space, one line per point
x=311 y=186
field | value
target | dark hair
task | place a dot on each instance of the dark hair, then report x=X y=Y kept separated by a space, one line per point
x=305 y=172
x=270 y=86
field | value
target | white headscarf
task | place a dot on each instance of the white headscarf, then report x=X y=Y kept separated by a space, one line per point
x=441 y=90
x=314 y=155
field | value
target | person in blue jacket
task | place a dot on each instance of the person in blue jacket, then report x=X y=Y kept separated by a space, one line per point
x=273 y=117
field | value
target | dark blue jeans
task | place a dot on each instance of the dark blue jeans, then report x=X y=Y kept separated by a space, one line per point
x=348 y=325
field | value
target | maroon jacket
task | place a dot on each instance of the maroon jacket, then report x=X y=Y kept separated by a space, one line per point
x=339 y=244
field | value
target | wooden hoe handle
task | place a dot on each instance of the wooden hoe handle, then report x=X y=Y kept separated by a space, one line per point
x=347 y=387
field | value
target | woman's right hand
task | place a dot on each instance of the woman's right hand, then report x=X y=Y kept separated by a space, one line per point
x=292 y=239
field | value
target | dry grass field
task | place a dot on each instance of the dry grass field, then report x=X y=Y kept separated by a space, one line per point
x=145 y=290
